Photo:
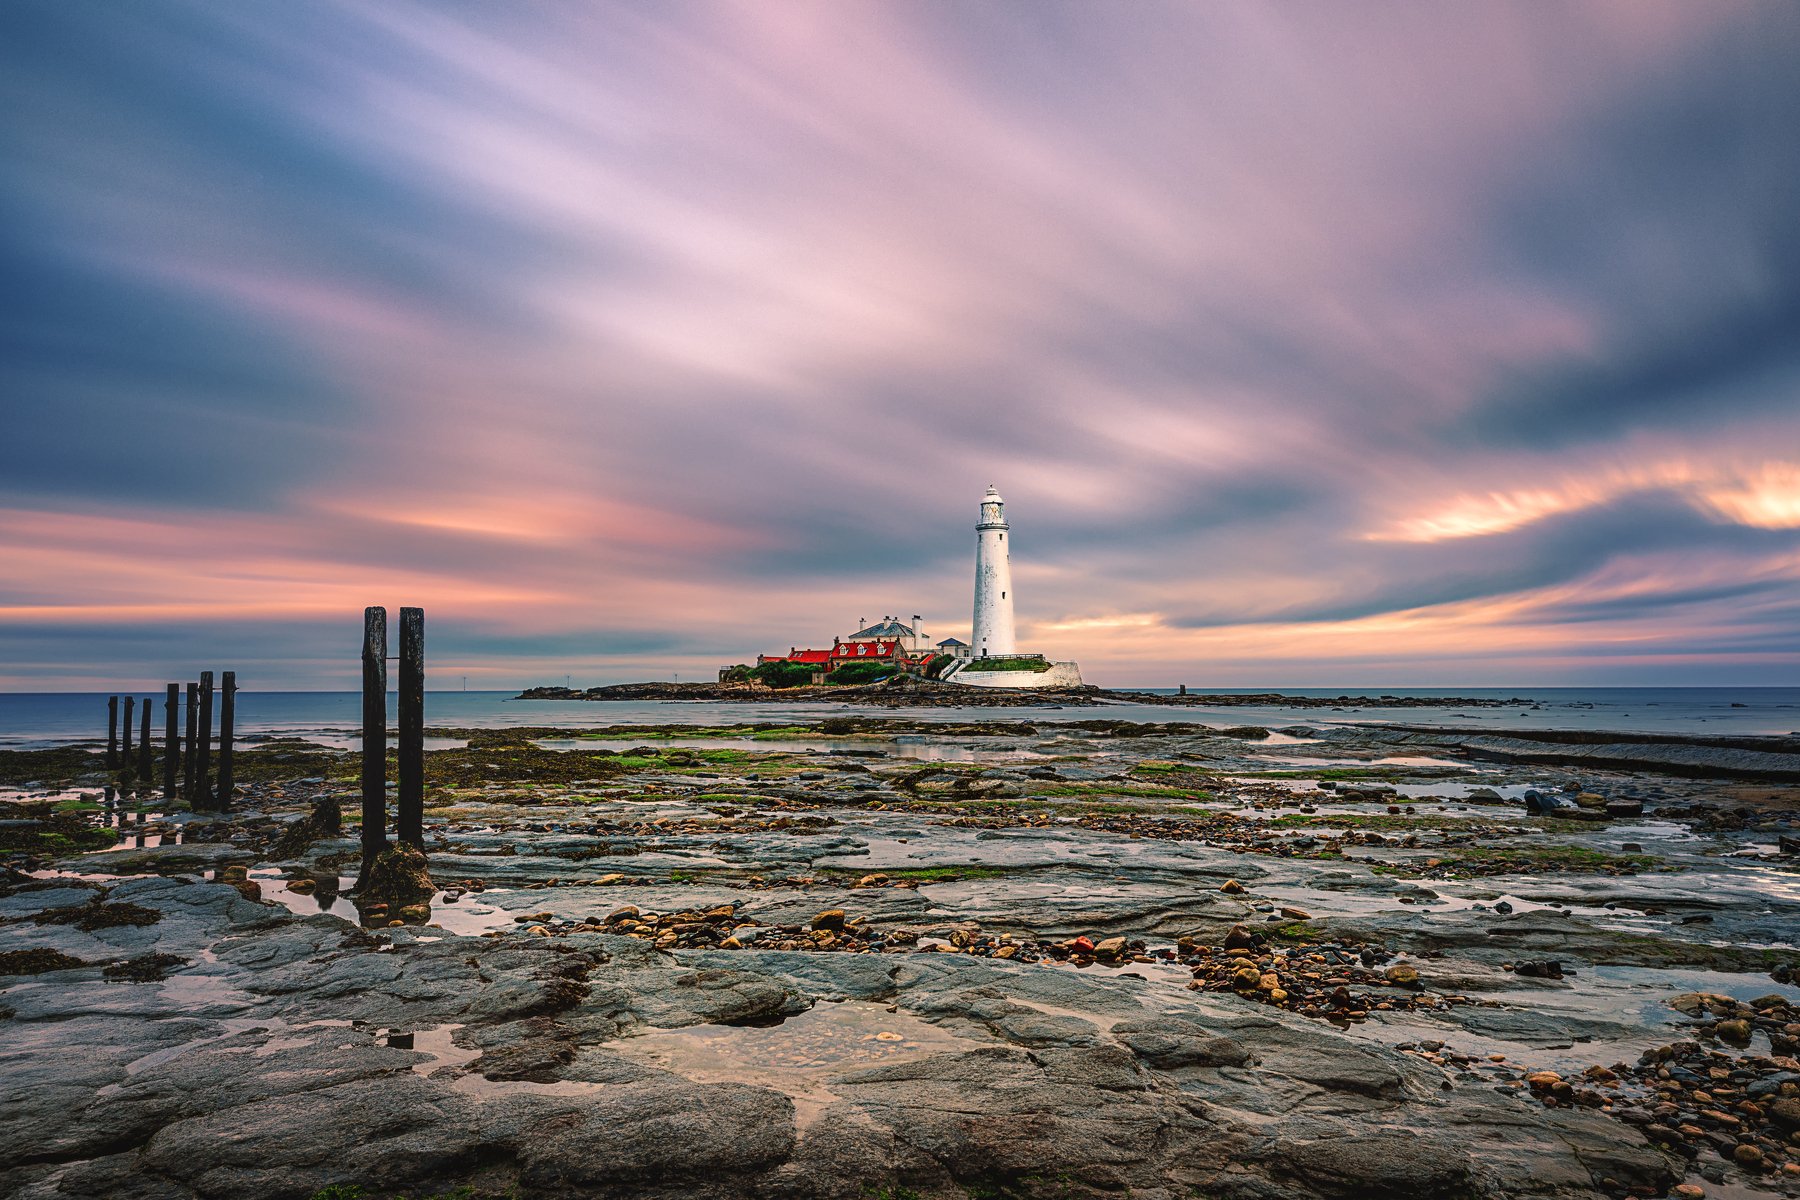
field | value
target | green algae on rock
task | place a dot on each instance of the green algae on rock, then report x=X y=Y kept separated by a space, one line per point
x=44 y=830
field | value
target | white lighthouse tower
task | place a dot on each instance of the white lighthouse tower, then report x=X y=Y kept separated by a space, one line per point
x=994 y=661
x=993 y=633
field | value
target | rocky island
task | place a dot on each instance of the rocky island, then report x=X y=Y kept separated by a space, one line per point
x=909 y=691
x=867 y=956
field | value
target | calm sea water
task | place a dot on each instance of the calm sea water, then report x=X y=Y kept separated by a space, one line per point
x=28 y=719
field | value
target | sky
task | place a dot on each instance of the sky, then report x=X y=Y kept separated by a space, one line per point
x=1353 y=344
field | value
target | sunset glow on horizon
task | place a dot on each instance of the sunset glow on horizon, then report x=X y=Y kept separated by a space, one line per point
x=1384 y=344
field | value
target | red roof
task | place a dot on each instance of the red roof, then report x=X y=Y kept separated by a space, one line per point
x=842 y=652
x=851 y=651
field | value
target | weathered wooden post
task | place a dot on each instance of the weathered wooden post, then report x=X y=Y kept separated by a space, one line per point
x=112 y=733
x=143 y=764
x=171 y=739
x=374 y=738
x=410 y=823
x=203 y=758
x=125 y=757
x=227 y=715
x=193 y=745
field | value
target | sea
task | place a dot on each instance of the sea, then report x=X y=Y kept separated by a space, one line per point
x=36 y=719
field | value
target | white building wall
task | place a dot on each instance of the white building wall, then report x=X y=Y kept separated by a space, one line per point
x=993 y=628
x=1060 y=675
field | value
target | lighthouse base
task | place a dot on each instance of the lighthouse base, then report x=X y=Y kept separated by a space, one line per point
x=1055 y=675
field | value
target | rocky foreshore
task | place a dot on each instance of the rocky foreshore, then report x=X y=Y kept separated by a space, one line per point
x=867 y=956
x=1775 y=758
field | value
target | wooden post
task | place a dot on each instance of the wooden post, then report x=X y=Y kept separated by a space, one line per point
x=144 y=768
x=410 y=824
x=171 y=739
x=227 y=716
x=374 y=738
x=193 y=745
x=112 y=733
x=203 y=797
x=125 y=755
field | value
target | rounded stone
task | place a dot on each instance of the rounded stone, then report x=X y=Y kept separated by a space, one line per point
x=1402 y=975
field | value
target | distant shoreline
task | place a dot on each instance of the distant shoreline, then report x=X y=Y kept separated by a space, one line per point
x=915 y=693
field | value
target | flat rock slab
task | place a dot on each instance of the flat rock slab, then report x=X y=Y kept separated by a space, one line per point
x=276 y=1062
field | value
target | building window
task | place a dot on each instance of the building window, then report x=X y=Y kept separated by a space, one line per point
x=1003 y=595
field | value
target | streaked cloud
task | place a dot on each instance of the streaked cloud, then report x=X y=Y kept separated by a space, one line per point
x=1770 y=498
x=1381 y=343
x=1766 y=495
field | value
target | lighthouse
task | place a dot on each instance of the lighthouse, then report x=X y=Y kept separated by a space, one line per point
x=993 y=633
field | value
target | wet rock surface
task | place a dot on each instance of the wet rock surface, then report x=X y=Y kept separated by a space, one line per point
x=865 y=957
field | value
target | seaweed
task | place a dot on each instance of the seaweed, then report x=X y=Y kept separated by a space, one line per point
x=97 y=914
x=36 y=961
x=145 y=968
x=60 y=764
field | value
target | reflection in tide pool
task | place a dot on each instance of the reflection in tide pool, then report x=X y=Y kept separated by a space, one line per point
x=468 y=914
x=801 y=1055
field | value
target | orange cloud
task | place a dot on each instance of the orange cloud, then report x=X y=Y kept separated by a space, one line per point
x=1769 y=498
x=1767 y=495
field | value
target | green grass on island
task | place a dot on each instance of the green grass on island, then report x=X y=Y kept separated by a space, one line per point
x=1008 y=664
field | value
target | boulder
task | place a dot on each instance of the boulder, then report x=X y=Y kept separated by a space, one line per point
x=1112 y=947
x=1402 y=975
x=1546 y=804
x=399 y=877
